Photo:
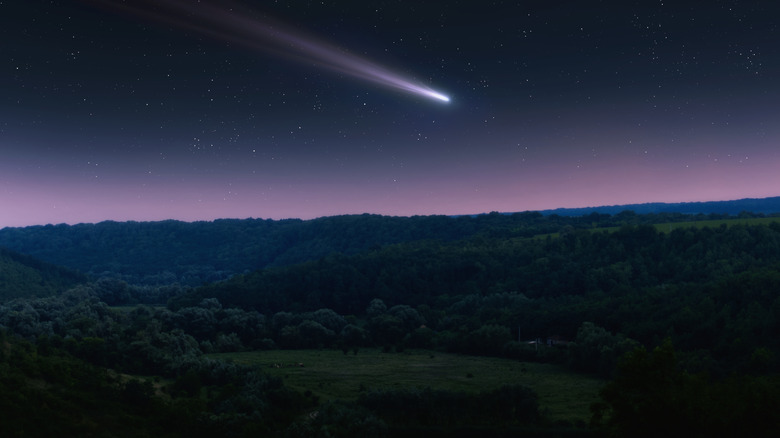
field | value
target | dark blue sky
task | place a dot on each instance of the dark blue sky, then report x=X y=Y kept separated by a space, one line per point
x=115 y=114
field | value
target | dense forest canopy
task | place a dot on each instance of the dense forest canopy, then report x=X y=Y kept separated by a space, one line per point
x=710 y=289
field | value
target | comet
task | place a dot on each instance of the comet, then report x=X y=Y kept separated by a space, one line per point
x=232 y=23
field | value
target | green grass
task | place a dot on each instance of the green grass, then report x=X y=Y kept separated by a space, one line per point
x=332 y=375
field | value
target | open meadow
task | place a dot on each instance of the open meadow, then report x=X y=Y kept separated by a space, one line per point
x=332 y=375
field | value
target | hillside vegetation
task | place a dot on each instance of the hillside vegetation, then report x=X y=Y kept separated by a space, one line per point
x=710 y=289
x=23 y=276
x=191 y=254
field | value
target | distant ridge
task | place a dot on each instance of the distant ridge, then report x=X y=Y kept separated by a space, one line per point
x=753 y=205
x=195 y=253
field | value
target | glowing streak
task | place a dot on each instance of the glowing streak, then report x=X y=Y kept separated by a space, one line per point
x=223 y=23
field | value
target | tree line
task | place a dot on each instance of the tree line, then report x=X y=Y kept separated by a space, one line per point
x=166 y=252
x=62 y=356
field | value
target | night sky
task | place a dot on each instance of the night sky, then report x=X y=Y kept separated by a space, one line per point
x=150 y=113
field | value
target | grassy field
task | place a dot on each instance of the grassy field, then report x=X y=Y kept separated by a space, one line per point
x=332 y=375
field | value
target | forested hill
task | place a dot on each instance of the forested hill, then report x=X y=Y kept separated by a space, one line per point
x=156 y=253
x=712 y=289
x=594 y=263
x=23 y=276
x=201 y=252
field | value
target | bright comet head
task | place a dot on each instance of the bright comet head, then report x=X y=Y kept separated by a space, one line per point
x=421 y=90
x=440 y=96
